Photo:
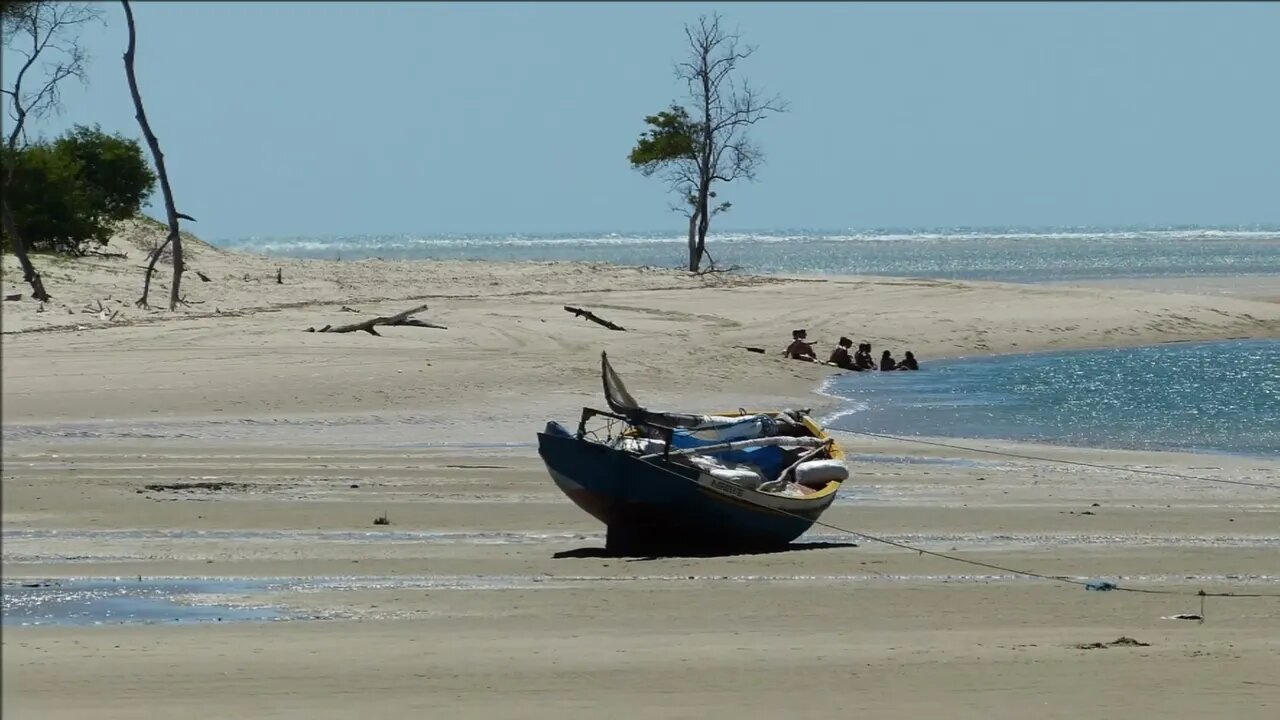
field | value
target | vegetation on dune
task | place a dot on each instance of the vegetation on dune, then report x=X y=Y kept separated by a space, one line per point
x=44 y=35
x=67 y=194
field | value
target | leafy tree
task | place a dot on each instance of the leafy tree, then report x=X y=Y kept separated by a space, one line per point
x=45 y=197
x=16 y=17
x=112 y=170
x=670 y=136
x=696 y=148
x=66 y=195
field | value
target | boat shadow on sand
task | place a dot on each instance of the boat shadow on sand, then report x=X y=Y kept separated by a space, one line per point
x=660 y=553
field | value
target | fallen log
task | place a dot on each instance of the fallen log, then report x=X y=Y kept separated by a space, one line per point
x=405 y=318
x=579 y=312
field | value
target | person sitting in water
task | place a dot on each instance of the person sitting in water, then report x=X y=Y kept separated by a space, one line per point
x=799 y=349
x=909 y=362
x=862 y=358
x=840 y=356
x=886 y=361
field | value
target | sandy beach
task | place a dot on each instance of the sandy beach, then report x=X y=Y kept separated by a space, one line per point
x=224 y=441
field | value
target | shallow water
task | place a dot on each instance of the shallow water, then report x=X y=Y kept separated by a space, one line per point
x=1202 y=397
x=113 y=601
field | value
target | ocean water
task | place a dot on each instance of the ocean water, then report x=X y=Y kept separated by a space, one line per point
x=1202 y=397
x=1016 y=255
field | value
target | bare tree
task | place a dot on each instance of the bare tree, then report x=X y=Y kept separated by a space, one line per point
x=696 y=147
x=175 y=235
x=38 y=30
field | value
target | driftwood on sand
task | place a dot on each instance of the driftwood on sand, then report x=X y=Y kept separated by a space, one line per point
x=594 y=318
x=101 y=311
x=405 y=318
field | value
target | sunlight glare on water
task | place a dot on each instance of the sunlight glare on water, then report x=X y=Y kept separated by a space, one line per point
x=1215 y=397
x=958 y=253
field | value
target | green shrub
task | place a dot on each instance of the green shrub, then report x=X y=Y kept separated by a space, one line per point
x=67 y=194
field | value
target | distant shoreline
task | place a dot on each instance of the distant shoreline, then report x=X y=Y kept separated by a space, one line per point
x=1068 y=255
x=510 y=344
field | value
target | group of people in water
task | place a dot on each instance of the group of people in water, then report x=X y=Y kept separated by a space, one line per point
x=860 y=360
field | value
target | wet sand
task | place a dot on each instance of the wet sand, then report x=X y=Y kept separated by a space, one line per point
x=488 y=595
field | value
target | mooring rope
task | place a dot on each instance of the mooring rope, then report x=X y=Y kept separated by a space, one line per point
x=978 y=563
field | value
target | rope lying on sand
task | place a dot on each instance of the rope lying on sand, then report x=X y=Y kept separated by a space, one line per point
x=978 y=563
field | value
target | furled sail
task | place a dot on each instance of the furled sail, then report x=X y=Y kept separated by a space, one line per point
x=615 y=393
x=623 y=403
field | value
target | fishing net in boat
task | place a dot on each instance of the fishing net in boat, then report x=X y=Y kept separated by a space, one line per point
x=771 y=453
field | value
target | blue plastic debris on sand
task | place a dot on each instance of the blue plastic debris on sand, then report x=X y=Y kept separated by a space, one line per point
x=1100 y=585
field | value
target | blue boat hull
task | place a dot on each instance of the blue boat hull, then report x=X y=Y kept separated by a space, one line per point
x=659 y=505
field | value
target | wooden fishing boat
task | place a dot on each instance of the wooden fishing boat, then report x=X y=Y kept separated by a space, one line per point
x=663 y=481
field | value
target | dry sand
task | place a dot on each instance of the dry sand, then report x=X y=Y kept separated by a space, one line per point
x=487 y=596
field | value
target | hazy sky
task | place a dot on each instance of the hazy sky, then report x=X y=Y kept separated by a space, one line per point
x=346 y=118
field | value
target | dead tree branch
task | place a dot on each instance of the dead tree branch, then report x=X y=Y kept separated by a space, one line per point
x=175 y=235
x=49 y=27
x=711 y=268
x=579 y=312
x=706 y=141
x=400 y=319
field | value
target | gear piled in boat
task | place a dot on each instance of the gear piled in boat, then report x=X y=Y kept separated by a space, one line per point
x=686 y=481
